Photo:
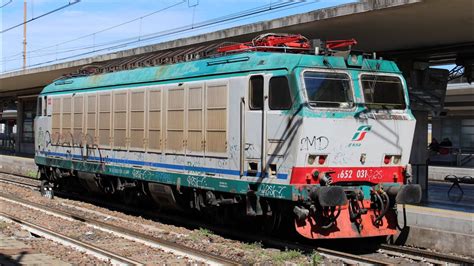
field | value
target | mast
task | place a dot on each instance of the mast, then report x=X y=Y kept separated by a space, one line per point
x=24 y=34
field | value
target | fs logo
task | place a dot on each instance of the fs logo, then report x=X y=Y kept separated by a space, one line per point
x=361 y=132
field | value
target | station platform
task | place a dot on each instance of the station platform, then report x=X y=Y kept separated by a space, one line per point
x=437 y=173
x=456 y=200
x=18 y=165
x=441 y=222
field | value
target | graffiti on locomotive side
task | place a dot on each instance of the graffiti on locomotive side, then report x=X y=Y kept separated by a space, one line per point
x=317 y=143
x=44 y=138
x=41 y=137
x=274 y=191
x=197 y=181
x=163 y=177
x=378 y=174
x=234 y=151
x=68 y=139
x=147 y=174
x=250 y=149
x=140 y=174
x=90 y=167
x=193 y=167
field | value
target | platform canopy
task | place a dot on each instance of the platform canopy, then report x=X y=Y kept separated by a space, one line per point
x=435 y=31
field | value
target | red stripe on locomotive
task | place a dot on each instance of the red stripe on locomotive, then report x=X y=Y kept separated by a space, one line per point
x=389 y=174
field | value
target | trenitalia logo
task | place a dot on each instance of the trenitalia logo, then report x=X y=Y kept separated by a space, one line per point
x=361 y=132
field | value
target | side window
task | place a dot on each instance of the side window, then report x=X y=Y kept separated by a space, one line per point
x=256 y=93
x=45 y=105
x=39 y=108
x=279 y=94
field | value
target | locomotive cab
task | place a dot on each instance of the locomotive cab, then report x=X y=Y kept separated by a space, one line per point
x=354 y=148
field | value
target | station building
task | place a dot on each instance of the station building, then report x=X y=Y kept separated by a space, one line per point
x=17 y=115
x=456 y=124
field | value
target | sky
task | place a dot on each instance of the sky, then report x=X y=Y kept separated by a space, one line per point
x=46 y=35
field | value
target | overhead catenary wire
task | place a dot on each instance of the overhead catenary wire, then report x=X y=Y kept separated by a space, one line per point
x=137 y=39
x=6 y=4
x=201 y=25
x=187 y=27
x=40 y=16
x=93 y=34
x=71 y=49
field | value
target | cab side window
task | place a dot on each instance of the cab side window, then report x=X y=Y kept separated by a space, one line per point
x=39 y=107
x=279 y=94
x=45 y=106
x=256 y=93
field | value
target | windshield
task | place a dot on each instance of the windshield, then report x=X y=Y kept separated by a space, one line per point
x=328 y=89
x=383 y=91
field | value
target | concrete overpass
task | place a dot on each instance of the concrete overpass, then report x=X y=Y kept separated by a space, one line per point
x=415 y=33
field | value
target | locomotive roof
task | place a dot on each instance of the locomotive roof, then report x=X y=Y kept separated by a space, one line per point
x=205 y=68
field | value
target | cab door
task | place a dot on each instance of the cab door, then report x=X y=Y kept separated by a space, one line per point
x=254 y=127
x=266 y=125
x=279 y=130
x=42 y=123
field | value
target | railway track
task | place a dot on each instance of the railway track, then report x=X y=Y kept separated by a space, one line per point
x=126 y=233
x=429 y=255
x=19 y=175
x=333 y=254
x=159 y=243
x=68 y=241
x=27 y=182
x=413 y=254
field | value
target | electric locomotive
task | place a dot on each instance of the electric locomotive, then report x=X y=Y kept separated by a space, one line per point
x=272 y=129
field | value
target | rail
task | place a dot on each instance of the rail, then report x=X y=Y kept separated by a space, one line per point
x=347 y=257
x=429 y=254
x=166 y=245
x=68 y=241
x=19 y=183
x=269 y=241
